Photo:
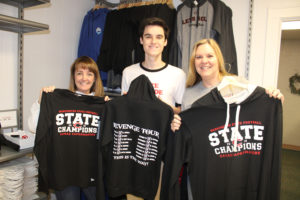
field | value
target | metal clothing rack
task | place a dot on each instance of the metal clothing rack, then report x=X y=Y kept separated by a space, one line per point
x=251 y=2
x=124 y=3
x=107 y=3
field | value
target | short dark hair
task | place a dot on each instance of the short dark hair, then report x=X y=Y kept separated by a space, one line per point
x=154 y=21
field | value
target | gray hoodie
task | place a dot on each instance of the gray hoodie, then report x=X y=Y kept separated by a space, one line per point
x=214 y=21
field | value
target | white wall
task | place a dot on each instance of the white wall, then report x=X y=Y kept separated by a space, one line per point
x=265 y=41
x=8 y=63
x=265 y=50
x=48 y=56
x=289 y=66
x=240 y=20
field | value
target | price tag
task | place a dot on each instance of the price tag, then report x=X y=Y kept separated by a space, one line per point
x=8 y=118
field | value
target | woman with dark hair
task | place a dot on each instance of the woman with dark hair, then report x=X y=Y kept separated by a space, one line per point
x=84 y=80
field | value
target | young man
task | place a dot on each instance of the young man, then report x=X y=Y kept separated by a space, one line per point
x=168 y=81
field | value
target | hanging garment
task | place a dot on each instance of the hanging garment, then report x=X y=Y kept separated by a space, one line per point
x=65 y=144
x=203 y=19
x=232 y=150
x=91 y=35
x=121 y=45
x=133 y=139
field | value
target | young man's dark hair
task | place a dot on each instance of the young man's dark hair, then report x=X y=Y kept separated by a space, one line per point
x=154 y=21
x=168 y=80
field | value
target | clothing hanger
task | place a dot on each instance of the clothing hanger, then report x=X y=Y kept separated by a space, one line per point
x=98 y=6
x=126 y=4
x=232 y=85
x=136 y=3
x=197 y=2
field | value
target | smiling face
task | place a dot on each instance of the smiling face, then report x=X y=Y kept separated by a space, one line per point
x=206 y=62
x=84 y=79
x=153 y=40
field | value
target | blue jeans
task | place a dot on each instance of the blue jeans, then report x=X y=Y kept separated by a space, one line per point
x=73 y=193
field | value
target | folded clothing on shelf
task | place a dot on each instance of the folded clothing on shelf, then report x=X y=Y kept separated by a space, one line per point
x=18 y=140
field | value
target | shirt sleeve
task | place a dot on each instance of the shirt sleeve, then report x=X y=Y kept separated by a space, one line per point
x=40 y=143
x=125 y=84
x=34 y=116
x=178 y=153
x=180 y=88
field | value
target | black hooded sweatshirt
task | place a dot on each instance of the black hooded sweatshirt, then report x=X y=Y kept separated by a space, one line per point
x=133 y=140
x=65 y=143
x=224 y=164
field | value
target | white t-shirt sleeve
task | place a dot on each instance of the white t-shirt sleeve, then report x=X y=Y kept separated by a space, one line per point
x=180 y=88
x=34 y=117
x=124 y=84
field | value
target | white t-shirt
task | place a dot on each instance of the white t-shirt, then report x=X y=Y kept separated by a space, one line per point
x=168 y=82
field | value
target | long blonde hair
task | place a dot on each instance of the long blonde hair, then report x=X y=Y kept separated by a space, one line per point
x=193 y=77
x=87 y=63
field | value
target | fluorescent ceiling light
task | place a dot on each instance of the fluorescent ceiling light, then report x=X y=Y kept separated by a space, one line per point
x=290 y=25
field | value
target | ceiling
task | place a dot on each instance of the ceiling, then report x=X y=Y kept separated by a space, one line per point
x=290 y=34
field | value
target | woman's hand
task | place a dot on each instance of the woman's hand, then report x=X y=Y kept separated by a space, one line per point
x=175 y=109
x=46 y=89
x=176 y=122
x=106 y=98
x=275 y=93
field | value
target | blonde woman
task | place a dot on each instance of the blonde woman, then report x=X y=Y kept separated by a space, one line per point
x=206 y=70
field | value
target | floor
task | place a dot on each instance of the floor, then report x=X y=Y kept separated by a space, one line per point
x=290 y=175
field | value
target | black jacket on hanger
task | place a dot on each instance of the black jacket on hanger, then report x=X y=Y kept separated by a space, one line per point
x=222 y=163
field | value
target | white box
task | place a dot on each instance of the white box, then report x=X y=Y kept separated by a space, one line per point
x=24 y=139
